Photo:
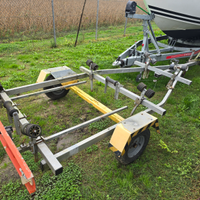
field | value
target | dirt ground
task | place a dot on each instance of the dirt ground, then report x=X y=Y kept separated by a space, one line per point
x=9 y=172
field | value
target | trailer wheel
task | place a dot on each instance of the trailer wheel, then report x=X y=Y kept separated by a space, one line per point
x=135 y=148
x=56 y=94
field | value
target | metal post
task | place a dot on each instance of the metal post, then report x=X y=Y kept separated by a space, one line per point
x=54 y=29
x=79 y=26
x=97 y=19
x=125 y=26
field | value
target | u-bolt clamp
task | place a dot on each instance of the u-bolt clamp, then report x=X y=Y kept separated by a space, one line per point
x=191 y=56
x=149 y=60
x=115 y=83
x=93 y=67
x=177 y=68
x=146 y=71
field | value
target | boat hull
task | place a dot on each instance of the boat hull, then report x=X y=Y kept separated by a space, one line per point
x=178 y=19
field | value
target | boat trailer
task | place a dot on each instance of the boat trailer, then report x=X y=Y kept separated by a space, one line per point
x=129 y=137
x=142 y=50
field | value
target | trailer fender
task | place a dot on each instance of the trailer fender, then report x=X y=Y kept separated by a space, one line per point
x=128 y=129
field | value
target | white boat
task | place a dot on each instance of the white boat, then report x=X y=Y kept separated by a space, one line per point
x=179 y=19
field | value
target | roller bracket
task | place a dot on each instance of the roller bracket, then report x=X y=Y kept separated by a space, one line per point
x=93 y=67
x=142 y=88
x=115 y=83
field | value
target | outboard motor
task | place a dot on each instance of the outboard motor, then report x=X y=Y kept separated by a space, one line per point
x=130 y=8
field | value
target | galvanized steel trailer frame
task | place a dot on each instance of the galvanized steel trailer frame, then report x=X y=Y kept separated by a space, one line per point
x=161 y=52
x=37 y=144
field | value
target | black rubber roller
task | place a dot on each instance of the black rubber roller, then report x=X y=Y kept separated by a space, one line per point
x=108 y=79
x=94 y=66
x=89 y=62
x=184 y=67
x=8 y=105
x=32 y=130
x=149 y=93
x=141 y=86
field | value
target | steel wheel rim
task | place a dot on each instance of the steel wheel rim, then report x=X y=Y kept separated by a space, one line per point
x=137 y=145
x=57 y=92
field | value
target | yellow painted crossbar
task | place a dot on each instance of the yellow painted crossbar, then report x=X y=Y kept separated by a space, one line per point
x=99 y=106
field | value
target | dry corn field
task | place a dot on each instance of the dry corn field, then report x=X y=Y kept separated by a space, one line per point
x=33 y=16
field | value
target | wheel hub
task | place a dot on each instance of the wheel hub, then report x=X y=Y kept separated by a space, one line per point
x=136 y=146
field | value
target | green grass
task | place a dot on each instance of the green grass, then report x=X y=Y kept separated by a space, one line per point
x=63 y=186
x=170 y=166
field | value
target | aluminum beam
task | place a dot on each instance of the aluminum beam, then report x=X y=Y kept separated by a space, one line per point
x=47 y=91
x=127 y=70
x=119 y=71
x=127 y=52
x=70 y=151
x=180 y=79
x=35 y=86
x=82 y=125
x=164 y=73
x=164 y=100
x=50 y=159
x=128 y=93
x=159 y=57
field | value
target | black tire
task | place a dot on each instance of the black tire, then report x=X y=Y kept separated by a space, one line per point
x=135 y=148
x=56 y=94
x=141 y=86
x=149 y=93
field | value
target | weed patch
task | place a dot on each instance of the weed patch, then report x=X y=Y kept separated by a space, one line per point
x=63 y=186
